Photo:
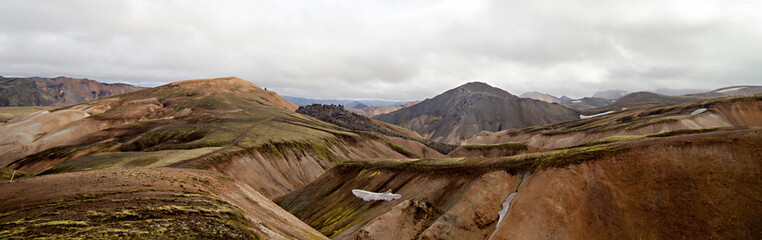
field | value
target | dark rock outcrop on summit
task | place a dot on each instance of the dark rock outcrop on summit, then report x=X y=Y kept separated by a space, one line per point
x=59 y=91
x=336 y=114
x=475 y=107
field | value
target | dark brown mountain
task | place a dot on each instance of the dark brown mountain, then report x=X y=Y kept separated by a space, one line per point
x=472 y=108
x=59 y=91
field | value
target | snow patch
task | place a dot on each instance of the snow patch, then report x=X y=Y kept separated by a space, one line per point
x=594 y=115
x=576 y=101
x=698 y=111
x=506 y=204
x=624 y=108
x=731 y=89
x=374 y=196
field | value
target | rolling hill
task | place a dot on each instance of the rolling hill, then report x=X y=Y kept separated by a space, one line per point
x=59 y=91
x=474 y=107
x=649 y=97
x=227 y=125
x=742 y=111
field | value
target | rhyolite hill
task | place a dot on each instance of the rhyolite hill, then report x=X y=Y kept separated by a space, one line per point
x=58 y=91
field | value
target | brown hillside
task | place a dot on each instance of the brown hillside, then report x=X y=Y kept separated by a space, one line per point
x=719 y=113
x=142 y=203
x=226 y=124
x=59 y=91
x=655 y=188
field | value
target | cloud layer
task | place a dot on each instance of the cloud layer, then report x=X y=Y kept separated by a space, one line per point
x=390 y=49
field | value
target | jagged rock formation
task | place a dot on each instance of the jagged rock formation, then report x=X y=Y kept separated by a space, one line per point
x=59 y=91
x=474 y=107
x=340 y=116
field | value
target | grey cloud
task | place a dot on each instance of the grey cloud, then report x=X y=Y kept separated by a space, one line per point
x=395 y=50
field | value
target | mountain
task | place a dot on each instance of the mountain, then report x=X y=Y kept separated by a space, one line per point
x=588 y=103
x=226 y=125
x=371 y=112
x=59 y=91
x=541 y=96
x=729 y=112
x=610 y=94
x=557 y=180
x=472 y=108
x=729 y=91
x=302 y=101
x=678 y=92
x=358 y=105
x=649 y=97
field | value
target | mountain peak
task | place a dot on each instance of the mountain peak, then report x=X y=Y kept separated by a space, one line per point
x=476 y=86
x=480 y=87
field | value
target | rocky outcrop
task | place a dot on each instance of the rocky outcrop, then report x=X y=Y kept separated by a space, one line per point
x=336 y=114
x=404 y=221
x=474 y=216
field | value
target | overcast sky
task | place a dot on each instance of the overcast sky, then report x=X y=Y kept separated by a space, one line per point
x=390 y=49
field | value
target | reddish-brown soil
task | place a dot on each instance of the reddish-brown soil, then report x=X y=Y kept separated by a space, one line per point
x=703 y=185
x=142 y=203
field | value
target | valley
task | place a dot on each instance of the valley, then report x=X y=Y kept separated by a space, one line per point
x=225 y=158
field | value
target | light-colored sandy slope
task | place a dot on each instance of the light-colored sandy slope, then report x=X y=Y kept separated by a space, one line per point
x=167 y=202
x=682 y=187
x=38 y=131
x=728 y=114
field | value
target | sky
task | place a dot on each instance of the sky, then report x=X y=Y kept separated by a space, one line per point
x=392 y=49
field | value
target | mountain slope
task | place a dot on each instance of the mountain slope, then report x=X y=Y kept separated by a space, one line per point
x=227 y=125
x=649 y=97
x=729 y=91
x=59 y=91
x=587 y=103
x=472 y=108
x=742 y=111
x=655 y=187
x=610 y=94
x=540 y=96
x=159 y=203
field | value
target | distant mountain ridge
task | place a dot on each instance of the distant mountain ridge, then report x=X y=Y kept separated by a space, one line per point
x=541 y=96
x=611 y=94
x=304 y=101
x=58 y=91
x=472 y=108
